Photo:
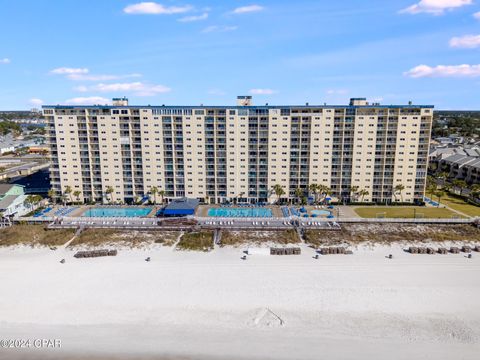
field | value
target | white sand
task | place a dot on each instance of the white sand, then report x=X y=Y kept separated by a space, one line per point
x=214 y=305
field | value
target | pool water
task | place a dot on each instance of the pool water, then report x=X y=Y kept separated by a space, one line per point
x=238 y=212
x=321 y=212
x=117 y=212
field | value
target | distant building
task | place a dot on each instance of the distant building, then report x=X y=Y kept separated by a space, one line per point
x=12 y=199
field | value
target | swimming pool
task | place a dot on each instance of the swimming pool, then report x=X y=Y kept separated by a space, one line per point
x=321 y=212
x=117 y=212
x=238 y=212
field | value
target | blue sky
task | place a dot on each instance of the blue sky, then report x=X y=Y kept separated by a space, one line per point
x=281 y=52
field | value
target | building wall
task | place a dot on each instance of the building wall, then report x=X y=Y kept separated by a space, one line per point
x=239 y=153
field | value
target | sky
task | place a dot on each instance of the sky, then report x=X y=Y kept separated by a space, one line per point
x=181 y=52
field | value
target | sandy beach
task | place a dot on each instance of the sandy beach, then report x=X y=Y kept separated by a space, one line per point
x=191 y=305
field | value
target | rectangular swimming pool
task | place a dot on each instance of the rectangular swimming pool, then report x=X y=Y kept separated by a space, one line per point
x=239 y=212
x=117 y=212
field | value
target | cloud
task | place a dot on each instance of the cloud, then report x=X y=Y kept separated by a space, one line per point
x=5 y=61
x=83 y=74
x=216 y=28
x=444 y=71
x=192 y=18
x=36 y=102
x=435 y=7
x=92 y=100
x=155 y=9
x=337 y=91
x=477 y=15
x=247 y=9
x=69 y=71
x=262 y=91
x=467 y=41
x=87 y=77
x=138 y=88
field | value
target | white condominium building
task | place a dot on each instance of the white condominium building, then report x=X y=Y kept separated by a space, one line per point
x=238 y=153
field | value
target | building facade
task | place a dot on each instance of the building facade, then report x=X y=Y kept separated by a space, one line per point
x=238 y=153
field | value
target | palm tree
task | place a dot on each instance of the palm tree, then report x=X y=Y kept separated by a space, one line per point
x=298 y=193
x=68 y=192
x=32 y=200
x=398 y=189
x=77 y=193
x=278 y=191
x=363 y=193
x=353 y=191
x=207 y=198
x=162 y=194
x=324 y=191
x=52 y=195
x=154 y=192
x=109 y=191
x=440 y=194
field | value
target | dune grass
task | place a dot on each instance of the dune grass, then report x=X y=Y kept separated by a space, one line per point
x=235 y=238
x=132 y=238
x=387 y=233
x=196 y=241
x=404 y=212
x=34 y=235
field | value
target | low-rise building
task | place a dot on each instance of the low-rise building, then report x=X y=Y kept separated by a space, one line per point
x=12 y=200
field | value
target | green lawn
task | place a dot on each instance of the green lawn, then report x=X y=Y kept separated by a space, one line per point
x=460 y=205
x=403 y=212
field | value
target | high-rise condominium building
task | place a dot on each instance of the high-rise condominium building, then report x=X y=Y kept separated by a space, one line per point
x=238 y=153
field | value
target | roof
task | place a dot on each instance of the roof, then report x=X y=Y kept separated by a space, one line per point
x=459 y=159
x=233 y=107
x=184 y=206
x=5 y=188
x=7 y=201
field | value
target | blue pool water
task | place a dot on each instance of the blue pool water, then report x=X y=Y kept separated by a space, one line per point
x=238 y=212
x=117 y=212
x=321 y=212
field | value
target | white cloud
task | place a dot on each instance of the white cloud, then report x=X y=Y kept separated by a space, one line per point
x=262 y=91
x=477 y=15
x=5 y=61
x=100 y=77
x=36 y=102
x=155 y=8
x=138 y=88
x=247 y=9
x=467 y=41
x=92 y=100
x=203 y=16
x=435 y=7
x=69 y=71
x=464 y=70
x=337 y=91
x=83 y=74
x=216 y=28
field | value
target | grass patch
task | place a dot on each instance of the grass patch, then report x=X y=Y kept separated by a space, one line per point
x=387 y=233
x=197 y=241
x=457 y=203
x=405 y=212
x=235 y=238
x=131 y=238
x=34 y=235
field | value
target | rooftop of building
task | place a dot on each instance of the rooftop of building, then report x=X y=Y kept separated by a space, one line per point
x=234 y=107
